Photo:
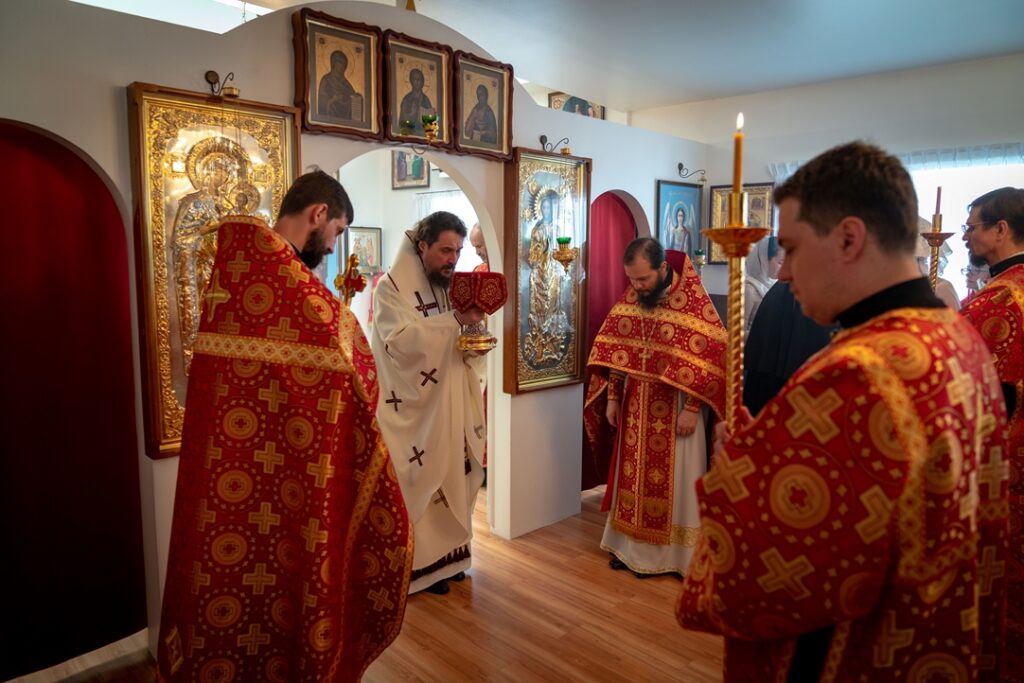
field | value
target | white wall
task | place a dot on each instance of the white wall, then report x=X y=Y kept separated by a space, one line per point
x=77 y=89
x=969 y=103
x=958 y=105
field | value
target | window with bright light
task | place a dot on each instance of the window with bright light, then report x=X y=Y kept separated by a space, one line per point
x=960 y=186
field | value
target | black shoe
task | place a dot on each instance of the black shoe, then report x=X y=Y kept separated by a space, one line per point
x=458 y=577
x=616 y=563
x=439 y=588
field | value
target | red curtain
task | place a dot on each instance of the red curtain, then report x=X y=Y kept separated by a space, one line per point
x=71 y=531
x=611 y=228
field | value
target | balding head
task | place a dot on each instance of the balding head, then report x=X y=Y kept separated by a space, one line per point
x=476 y=238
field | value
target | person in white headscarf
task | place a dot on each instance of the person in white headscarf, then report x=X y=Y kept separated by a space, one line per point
x=763 y=264
x=943 y=288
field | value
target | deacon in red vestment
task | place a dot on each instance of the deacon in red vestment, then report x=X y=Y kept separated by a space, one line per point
x=657 y=372
x=994 y=233
x=855 y=531
x=290 y=548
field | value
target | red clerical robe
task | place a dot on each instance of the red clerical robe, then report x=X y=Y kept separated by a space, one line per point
x=678 y=346
x=869 y=497
x=290 y=549
x=998 y=313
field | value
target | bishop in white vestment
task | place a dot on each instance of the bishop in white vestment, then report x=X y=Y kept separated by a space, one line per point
x=431 y=406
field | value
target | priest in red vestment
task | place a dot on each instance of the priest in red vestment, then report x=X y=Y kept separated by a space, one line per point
x=290 y=548
x=994 y=233
x=657 y=373
x=855 y=530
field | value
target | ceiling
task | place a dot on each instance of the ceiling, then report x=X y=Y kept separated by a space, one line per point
x=641 y=54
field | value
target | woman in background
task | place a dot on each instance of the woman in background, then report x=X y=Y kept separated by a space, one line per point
x=763 y=265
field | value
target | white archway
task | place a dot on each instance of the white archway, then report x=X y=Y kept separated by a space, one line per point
x=498 y=403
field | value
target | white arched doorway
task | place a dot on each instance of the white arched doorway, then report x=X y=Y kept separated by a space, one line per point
x=70 y=498
x=616 y=218
x=389 y=197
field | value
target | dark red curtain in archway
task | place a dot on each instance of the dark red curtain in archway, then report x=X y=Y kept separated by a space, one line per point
x=71 y=531
x=611 y=228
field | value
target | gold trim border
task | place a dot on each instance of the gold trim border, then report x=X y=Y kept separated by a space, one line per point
x=272 y=351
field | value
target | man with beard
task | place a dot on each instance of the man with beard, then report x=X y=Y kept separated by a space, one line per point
x=432 y=413
x=994 y=233
x=285 y=493
x=657 y=373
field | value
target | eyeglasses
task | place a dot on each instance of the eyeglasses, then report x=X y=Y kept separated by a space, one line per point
x=968 y=228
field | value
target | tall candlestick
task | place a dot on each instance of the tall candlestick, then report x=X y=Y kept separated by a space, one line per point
x=937 y=224
x=737 y=156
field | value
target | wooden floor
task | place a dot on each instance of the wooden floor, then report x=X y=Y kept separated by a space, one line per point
x=546 y=607
x=543 y=607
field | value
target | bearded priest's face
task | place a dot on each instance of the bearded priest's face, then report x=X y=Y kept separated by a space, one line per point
x=648 y=283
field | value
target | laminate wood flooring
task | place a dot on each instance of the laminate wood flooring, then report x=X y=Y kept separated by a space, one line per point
x=547 y=607
x=543 y=607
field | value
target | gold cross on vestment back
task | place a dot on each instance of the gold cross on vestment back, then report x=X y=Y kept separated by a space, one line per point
x=215 y=295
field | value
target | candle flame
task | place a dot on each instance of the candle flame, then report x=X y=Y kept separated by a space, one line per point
x=739 y=121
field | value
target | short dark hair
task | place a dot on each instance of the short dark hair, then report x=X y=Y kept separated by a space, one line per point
x=862 y=180
x=648 y=248
x=1004 y=204
x=429 y=229
x=317 y=187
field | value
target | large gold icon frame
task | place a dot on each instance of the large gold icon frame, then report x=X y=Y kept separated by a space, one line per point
x=195 y=158
x=547 y=203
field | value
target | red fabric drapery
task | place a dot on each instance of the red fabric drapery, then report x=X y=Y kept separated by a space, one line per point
x=611 y=228
x=71 y=529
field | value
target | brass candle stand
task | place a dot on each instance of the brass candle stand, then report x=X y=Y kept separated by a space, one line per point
x=736 y=240
x=935 y=240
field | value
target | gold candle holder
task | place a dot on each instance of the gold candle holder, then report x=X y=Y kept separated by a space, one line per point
x=735 y=240
x=565 y=254
x=935 y=239
x=737 y=210
x=700 y=259
x=430 y=127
